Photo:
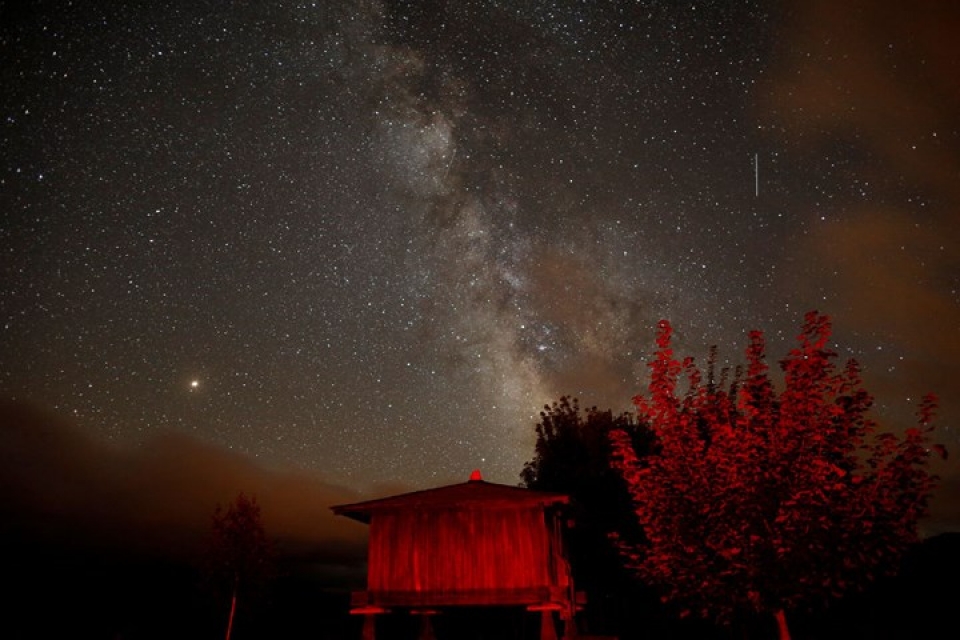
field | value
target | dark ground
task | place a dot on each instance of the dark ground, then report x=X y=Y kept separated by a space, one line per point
x=75 y=595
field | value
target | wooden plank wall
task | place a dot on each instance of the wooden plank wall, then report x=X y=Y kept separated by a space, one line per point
x=460 y=550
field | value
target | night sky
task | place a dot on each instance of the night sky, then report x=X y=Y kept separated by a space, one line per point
x=363 y=243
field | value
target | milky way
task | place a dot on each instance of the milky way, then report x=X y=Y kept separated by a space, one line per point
x=373 y=239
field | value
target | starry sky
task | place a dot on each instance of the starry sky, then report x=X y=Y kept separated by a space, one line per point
x=365 y=242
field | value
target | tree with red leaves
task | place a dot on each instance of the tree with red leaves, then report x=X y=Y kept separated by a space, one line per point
x=764 y=502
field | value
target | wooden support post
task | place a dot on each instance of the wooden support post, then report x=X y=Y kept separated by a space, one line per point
x=547 y=629
x=369 y=614
x=369 y=627
x=426 y=623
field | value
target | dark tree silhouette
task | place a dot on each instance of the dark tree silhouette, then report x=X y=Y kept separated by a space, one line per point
x=240 y=558
x=573 y=456
x=764 y=502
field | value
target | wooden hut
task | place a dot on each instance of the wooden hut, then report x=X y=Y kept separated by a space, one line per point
x=474 y=543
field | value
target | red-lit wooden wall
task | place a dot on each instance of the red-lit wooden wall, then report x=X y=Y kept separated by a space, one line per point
x=492 y=551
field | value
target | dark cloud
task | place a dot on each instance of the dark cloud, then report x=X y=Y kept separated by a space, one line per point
x=62 y=488
x=865 y=95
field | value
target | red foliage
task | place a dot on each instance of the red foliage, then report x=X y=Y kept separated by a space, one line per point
x=758 y=501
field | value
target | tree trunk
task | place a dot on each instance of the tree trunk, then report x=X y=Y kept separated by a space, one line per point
x=233 y=610
x=782 y=628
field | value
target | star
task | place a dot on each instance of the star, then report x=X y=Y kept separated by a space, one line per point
x=389 y=229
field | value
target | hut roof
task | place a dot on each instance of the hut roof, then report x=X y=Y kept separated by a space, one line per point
x=473 y=494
